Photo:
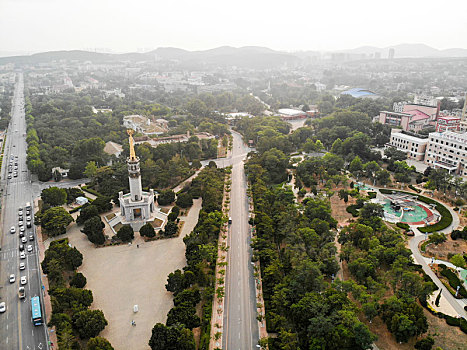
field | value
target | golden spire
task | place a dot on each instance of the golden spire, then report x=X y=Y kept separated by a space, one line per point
x=132 y=144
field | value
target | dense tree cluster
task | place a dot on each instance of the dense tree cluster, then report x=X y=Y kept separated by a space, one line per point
x=70 y=303
x=297 y=254
x=380 y=263
x=201 y=251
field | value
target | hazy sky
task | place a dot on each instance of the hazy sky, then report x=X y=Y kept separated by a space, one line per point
x=122 y=25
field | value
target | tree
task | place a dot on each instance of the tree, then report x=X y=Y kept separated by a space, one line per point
x=126 y=233
x=166 y=197
x=54 y=196
x=394 y=154
x=86 y=213
x=371 y=210
x=102 y=203
x=90 y=170
x=98 y=343
x=184 y=200
x=147 y=230
x=178 y=281
x=184 y=314
x=55 y=220
x=458 y=260
x=89 y=323
x=425 y=343
x=78 y=280
x=93 y=229
x=356 y=166
x=171 y=338
x=170 y=229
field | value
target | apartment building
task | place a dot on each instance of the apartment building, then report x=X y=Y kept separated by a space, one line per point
x=415 y=147
x=447 y=150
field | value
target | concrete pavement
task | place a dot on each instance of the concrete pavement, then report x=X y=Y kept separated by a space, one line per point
x=240 y=324
x=17 y=331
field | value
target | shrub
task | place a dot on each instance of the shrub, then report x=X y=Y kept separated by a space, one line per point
x=184 y=200
x=415 y=189
x=425 y=343
x=166 y=197
x=352 y=209
x=438 y=297
x=437 y=238
x=453 y=280
x=91 y=191
x=89 y=323
x=78 y=280
x=102 y=203
x=403 y=225
x=147 y=230
x=86 y=213
x=126 y=233
x=371 y=195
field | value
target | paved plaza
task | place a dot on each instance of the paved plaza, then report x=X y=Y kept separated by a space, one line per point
x=122 y=276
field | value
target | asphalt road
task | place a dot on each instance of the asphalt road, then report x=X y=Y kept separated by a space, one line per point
x=240 y=324
x=17 y=330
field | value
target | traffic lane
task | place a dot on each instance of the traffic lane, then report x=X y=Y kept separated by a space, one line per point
x=240 y=319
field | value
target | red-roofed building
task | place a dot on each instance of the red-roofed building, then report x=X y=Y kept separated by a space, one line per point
x=413 y=120
x=448 y=123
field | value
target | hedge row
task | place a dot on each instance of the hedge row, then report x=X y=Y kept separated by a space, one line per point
x=446 y=217
x=91 y=191
x=415 y=189
x=403 y=225
x=452 y=321
x=454 y=281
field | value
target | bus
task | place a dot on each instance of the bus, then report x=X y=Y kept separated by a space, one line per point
x=36 y=311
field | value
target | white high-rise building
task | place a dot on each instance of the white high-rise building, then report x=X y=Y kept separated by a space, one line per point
x=448 y=150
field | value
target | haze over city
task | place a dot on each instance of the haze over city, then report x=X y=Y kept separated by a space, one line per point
x=29 y=26
x=207 y=175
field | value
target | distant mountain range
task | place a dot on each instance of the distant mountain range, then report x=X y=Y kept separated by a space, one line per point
x=409 y=50
x=248 y=56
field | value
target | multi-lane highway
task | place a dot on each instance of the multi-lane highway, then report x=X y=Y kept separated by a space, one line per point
x=17 y=330
x=240 y=324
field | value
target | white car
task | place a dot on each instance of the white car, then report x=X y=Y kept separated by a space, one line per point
x=12 y=278
x=21 y=229
x=24 y=240
x=23 y=280
x=22 y=266
x=29 y=248
x=20 y=223
x=12 y=229
x=2 y=307
x=22 y=255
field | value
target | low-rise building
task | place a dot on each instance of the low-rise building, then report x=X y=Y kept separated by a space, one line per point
x=290 y=113
x=447 y=150
x=414 y=146
x=145 y=125
x=448 y=123
x=414 y=120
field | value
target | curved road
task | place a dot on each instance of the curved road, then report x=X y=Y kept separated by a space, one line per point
x=457 y=304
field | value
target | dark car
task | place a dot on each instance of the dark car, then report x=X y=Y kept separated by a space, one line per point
x=21 y=247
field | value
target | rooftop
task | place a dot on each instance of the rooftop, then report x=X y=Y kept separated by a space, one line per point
x=358 y=92
x=113 y=148
x=450 y=135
